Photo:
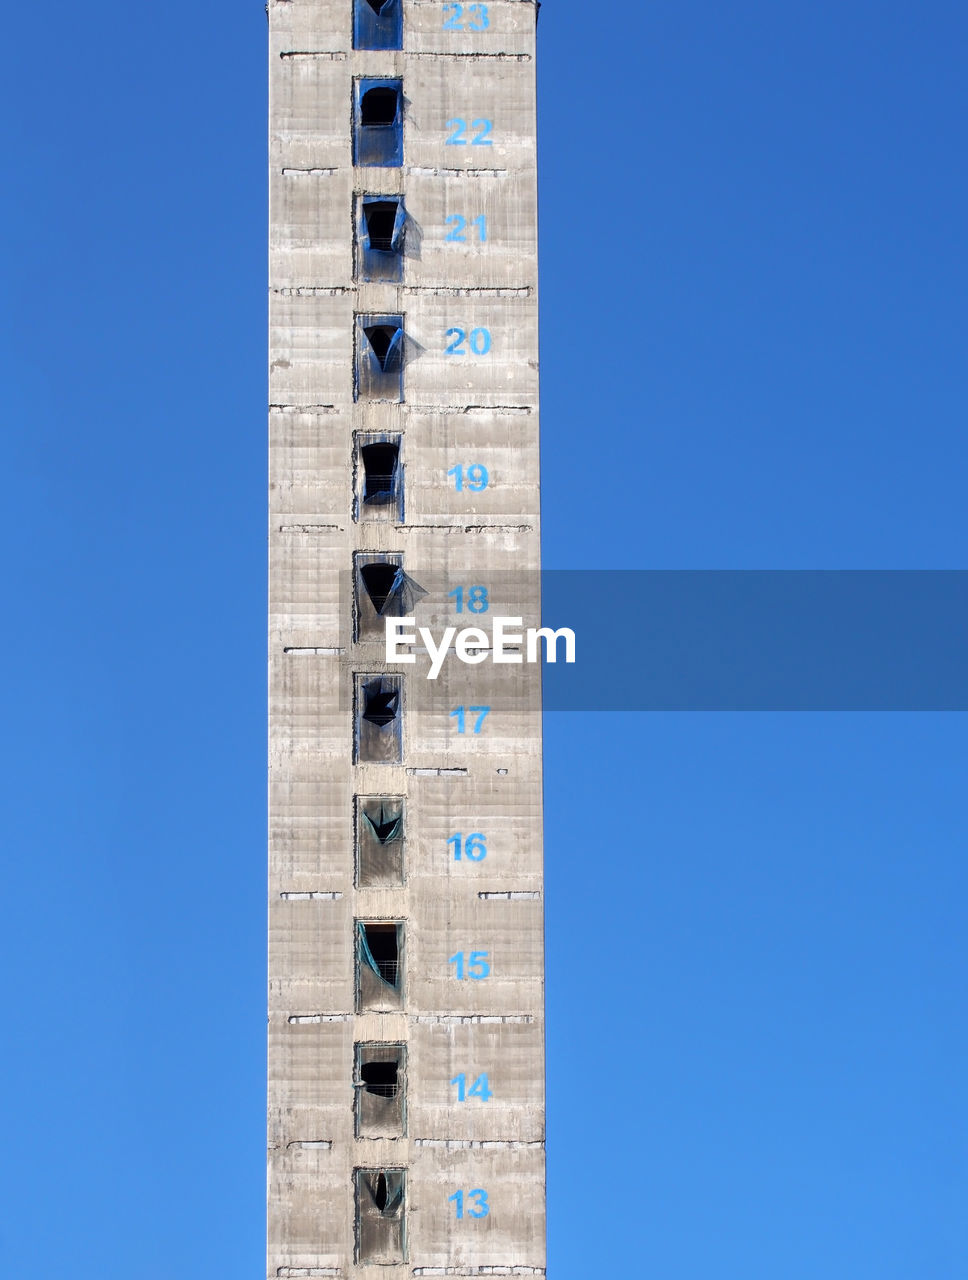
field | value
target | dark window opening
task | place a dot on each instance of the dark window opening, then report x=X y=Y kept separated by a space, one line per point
x=382 y=942
x=391 y=593
x=378 y=5
x=386 y=826
x=380 y=1083
x=378 y=111
x=379 y=840
x=378 y=107
x=380 y=703
x=380 y=1078
x=378 y=715
x=381 y=217
x=379 y=580
x=380 y=1216
x=380 y=355
x=384 y=340
x=380 y=463
x=380 y=235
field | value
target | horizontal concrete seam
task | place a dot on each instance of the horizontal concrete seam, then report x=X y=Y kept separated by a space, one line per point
x=301 y=1019
x=313 y=290
x=451 y=409
x=476 y=57
x=461 y=291
x=289 y=171
x=475 y=1019
x=315 y=653
x=310 y=528
x=436 y=773
x=328 y=55
x=511 y=895
x=435 y=171
x=466 y=528
x=510 y=1270
x=469 y=1144
x=303 y=408
x=499 y=528
x=311 y=895
x=308 y=1271
x=311 y=1144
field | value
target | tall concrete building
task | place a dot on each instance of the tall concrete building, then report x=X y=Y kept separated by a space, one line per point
x=406 y=1072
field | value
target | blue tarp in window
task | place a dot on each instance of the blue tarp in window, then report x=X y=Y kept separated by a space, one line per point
x=377 y=24
x=382 y=473
x=379 y=358
x=380 y=238
x=379 y=964
x=378 y=123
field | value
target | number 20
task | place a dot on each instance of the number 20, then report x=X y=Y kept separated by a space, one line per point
x=480 y=341
x=477 y=19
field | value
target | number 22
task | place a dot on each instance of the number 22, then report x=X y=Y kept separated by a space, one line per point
x=459 y=126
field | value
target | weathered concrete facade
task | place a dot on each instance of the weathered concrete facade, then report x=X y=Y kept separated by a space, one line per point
x=406 y=1073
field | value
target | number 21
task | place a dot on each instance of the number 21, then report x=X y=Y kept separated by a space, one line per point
x=460 y=224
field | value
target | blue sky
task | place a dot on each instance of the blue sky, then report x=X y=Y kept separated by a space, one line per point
x=753 y=285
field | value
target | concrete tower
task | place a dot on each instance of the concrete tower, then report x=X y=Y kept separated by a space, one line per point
x=406 y=1073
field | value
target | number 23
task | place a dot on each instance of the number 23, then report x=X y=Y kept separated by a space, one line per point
x=477 y=19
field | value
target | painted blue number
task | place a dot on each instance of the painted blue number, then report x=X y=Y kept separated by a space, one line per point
x=457 y=138
x=477 y=601
x=481 y=1208
x=482 y=138
x=459 y=714
x=460 y=223
x=480 y=340
x=477 y=19
x=474 y=477
x=474 y=847
x=479 y=1089
x=477 y=966
x=456 y=347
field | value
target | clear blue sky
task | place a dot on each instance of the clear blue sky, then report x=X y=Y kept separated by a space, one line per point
x=753 y=302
